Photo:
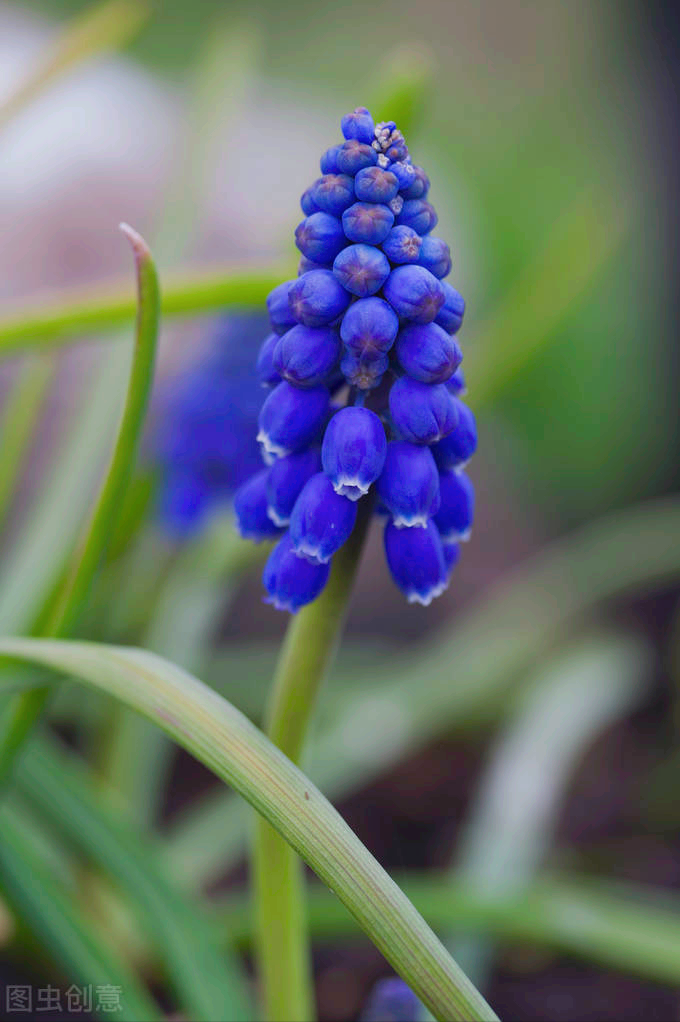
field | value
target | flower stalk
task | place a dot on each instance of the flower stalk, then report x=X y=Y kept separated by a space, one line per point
x=306 y=656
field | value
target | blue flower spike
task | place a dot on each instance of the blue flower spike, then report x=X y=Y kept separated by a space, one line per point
x=371 y=320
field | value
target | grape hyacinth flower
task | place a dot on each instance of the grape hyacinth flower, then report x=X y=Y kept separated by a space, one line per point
x=371 y=320
x=391 y=1000
x=203 y=437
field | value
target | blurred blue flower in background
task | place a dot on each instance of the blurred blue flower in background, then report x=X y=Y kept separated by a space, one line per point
x=204 y=430
x=391 y=1000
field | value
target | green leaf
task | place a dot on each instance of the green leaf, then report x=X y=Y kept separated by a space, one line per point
x=227 y=743
x=615 y=925
x=509 y=827
x=23 y=711
x=207 y=980
x=31 y=568
x=459 y=677
x=44 y=325
x=57 y=924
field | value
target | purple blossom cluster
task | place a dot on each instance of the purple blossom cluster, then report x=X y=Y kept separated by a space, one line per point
x=363 y=366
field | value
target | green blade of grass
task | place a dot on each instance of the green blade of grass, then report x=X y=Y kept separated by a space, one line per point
x=615 y=925
x=227 y=743
x=46 y=325
x=23 y=711
x=510 y=824
x=207 y=980
x=50 y=913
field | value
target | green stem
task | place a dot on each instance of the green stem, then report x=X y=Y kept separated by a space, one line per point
x=309 y=647
x=24 y=710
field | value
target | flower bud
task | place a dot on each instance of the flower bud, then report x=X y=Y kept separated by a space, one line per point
x=414 y=293
x=280 y=314
x=422 y=413
x=368 y=222
x=329 y=161
x=451 y=555
x=353 y=451
x=405 y=174
x=265 y=362
x=402 y=245
x=420 y=185
x=435 y=256
x=374 y=184
x=305 y=355
x=317 y=298
x=291 y=581
x=455 y=450
x=369 y=325
x=307 y=203
x=287 y=476
x=333 y=193
x=358 y=125
x=320 y=237
x=361 y=269
x=456 y=383
x=250 y=505
x=418 y=214
x=457 y=508
x=290 y=418
x=322 y=520
x=416 y=561
x=450 y=316
x=427 y=353
x=353 y=156
x=408 y=486
x=364 y=370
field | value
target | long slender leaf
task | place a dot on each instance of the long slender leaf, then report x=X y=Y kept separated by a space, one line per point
x=225 y=741
x=32 y=567
x=207 y=980
x=57 y=924
x=45 y=324
x=23 y=711
x=510 y=824
x=461 y=673
x=620 y=926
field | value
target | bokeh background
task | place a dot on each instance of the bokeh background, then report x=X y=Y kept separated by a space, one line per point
x=522 y=731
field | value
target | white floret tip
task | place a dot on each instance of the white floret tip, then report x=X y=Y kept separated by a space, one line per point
x=425 y=599
x=351 y=487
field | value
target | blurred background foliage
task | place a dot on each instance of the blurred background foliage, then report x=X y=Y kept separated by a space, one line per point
x=544 y=128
